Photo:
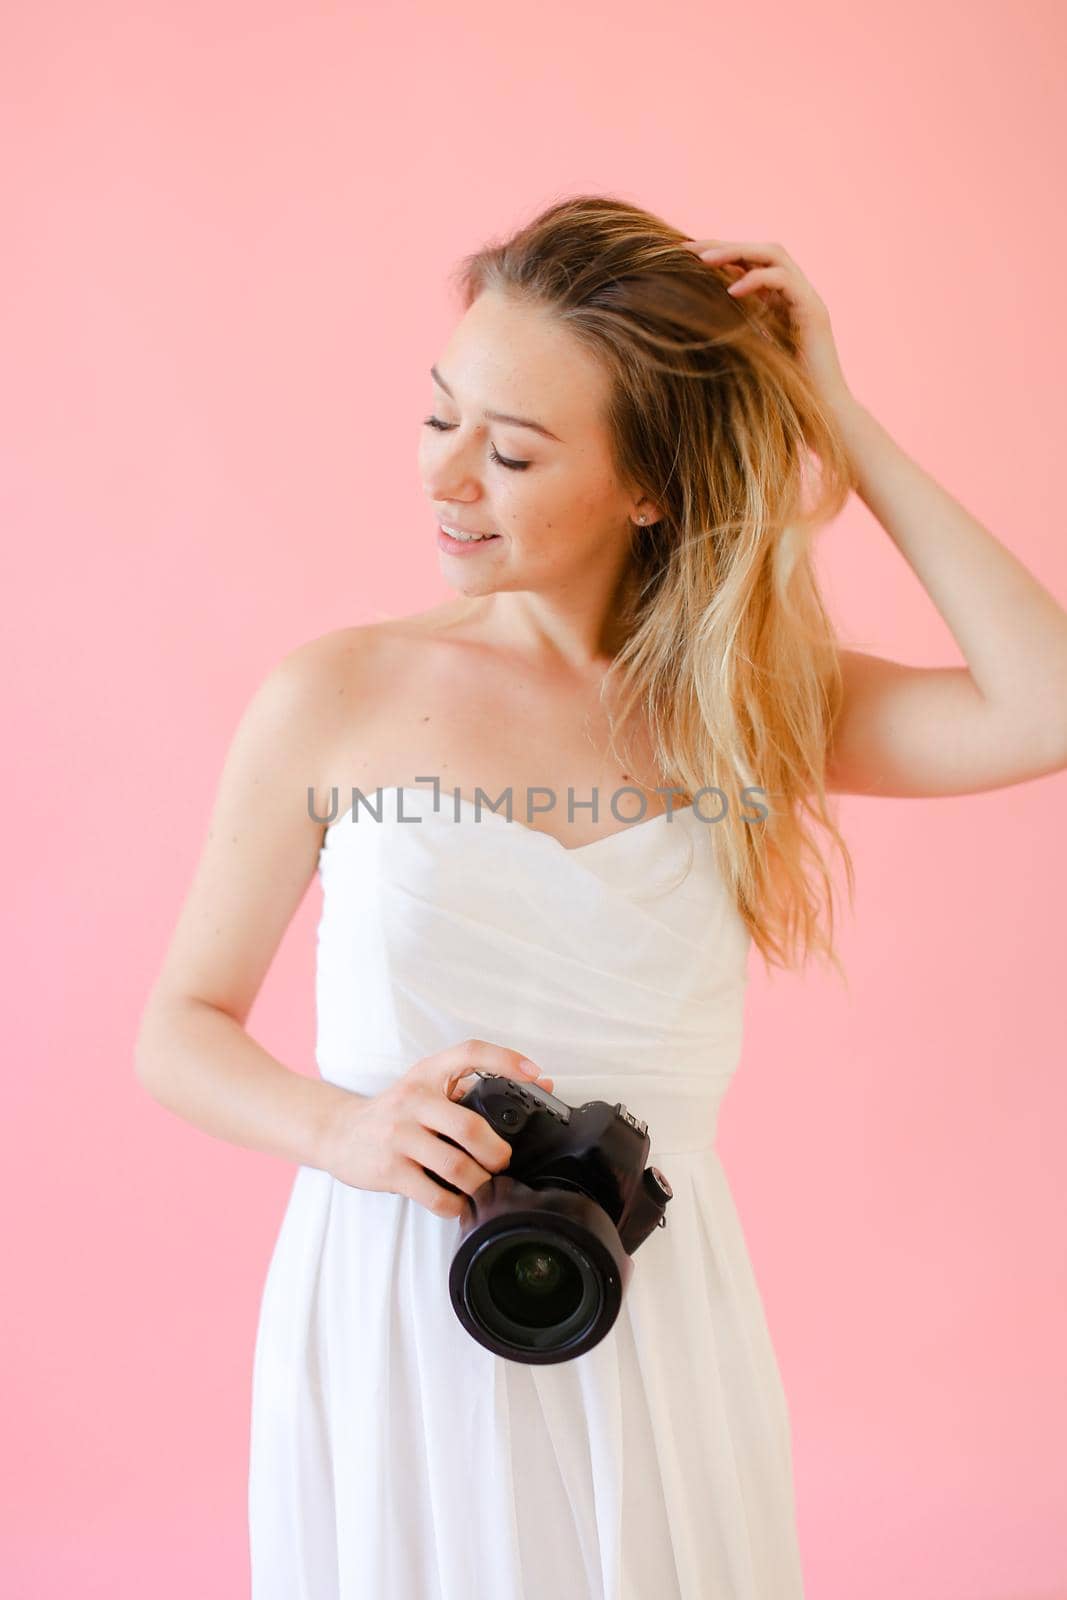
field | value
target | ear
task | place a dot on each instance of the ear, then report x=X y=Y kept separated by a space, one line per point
x=644 y=513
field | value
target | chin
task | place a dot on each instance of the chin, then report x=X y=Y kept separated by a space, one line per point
x=475 y=586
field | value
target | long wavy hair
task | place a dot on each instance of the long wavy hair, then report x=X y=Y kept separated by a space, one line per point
x=728 y=648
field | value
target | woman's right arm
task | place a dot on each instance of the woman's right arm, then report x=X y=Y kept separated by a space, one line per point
x=193 y=1054
x=200 y=1063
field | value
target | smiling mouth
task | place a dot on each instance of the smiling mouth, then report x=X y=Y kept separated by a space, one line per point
x=459 y=537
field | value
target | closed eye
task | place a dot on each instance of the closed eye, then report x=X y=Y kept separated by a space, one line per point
x=446 y=427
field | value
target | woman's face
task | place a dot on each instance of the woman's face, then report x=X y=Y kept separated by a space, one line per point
x=553 y=503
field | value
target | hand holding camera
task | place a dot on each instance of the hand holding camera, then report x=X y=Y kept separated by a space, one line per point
x=554 y=1199
x=391 y=1141
x=544 y=1255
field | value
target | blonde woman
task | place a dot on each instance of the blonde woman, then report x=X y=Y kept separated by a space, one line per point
x=633 y=438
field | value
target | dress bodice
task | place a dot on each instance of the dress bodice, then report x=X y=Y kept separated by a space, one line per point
x=619 y=966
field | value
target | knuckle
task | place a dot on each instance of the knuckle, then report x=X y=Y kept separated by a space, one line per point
x=452 y=1163
x=389 y=1129
x=500 y=1158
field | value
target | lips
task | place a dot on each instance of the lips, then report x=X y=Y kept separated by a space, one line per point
x=453 y=544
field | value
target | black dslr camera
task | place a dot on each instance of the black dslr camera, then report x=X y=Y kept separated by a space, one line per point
x=544 y=1255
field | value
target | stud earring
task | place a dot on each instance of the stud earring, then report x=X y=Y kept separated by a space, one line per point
x=642 y=519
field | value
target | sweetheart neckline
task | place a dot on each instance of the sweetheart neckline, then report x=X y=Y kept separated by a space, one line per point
x=522 y=827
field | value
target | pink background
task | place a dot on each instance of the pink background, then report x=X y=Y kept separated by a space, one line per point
x=227 y=230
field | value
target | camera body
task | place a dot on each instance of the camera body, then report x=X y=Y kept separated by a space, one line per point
x=545 y=1251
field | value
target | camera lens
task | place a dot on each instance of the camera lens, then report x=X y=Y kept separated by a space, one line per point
x=535 y=1285
x=533 y=1289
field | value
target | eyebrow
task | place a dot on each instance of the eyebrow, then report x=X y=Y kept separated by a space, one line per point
x=500 y=416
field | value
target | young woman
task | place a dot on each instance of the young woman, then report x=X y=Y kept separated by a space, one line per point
x=634 y=438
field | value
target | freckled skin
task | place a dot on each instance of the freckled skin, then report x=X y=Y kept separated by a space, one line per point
x=506 y=685
x=565 y=521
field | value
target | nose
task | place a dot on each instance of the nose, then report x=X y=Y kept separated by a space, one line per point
x=446 y=488
x=447 y=474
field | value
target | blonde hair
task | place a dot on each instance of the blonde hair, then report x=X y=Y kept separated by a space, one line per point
x=728 y=648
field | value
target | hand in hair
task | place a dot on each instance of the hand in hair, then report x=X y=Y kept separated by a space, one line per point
x=770 y=271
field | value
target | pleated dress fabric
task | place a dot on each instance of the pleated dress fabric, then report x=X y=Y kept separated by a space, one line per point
x=392 y=1456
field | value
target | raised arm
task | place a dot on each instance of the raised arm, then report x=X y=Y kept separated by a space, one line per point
x=904 y=730
x=999 y=720
x=923 y=731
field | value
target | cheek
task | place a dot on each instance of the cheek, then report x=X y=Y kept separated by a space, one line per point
x=550 y=509
x=591 y=506
x=514 y=499
x=545 y=493
x=584 y=490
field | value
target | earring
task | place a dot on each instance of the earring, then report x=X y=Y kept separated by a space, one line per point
x=642 y=518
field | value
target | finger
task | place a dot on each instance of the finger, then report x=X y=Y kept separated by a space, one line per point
x=414 y=1184
x=458 y=1086
x=452 y=1161
x=479 y=1055
x=741 y=250
x=468 y=1129
x=759 y=277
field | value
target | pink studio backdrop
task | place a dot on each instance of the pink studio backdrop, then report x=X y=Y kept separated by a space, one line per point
x=228 y=229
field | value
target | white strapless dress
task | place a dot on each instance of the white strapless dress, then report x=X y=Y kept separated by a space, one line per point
x=392 y=1456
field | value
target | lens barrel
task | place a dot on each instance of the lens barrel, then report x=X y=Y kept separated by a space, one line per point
x=539 y=1274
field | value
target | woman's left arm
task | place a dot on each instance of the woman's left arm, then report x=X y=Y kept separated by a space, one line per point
x=1002 y=719
x=913 y=731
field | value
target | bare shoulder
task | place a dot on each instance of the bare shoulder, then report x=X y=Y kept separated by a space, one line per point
x=336 y=666
x=263 y=839
x=320 y=675
x=344 y=674
x=317 y=662
x=358 y=649
x=298 y=700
